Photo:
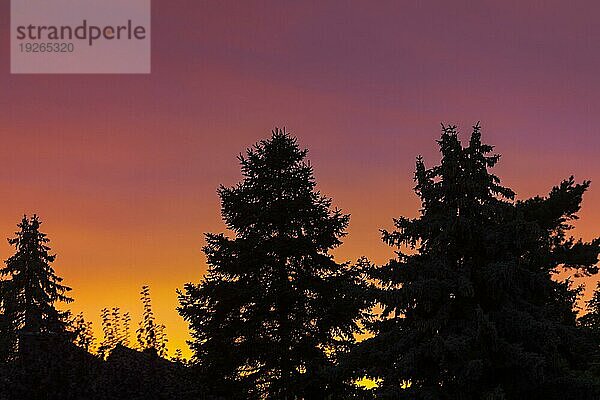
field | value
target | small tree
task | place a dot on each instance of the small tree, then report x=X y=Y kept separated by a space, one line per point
x=116 y=330
x=83 y=332
x=116 y=322
x=178 y=357
x=110 y=333
x=32 y=288
x=150 y=335
x=126 y=329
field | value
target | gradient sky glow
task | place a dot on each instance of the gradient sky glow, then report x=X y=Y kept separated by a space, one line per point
x=124 y=169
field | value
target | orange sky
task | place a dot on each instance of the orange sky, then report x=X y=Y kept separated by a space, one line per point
x=124 y=169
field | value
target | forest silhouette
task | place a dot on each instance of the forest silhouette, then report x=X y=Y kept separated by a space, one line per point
x=469 y=307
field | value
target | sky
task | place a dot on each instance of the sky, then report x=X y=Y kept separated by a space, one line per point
x=123 y=169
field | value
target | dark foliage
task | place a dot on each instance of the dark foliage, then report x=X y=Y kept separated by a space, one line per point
x=470 y=307
x=82 y=333
x=30 y=288
x=275 y=310
x=150 y=335
x=591 y=322
x=132 y=374
x=59 y=370
x=591 y=319
x=49 y=367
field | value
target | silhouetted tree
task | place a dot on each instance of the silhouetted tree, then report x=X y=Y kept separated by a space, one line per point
x=32 y=287
x=591 y=321
x=470 y=307
x=110 y=334
x=178 y=357
x=115 y=329
x=6 y=332
x=83 y=333
x=274 y=310
x=126 y=329
x=118 y=329
x=150 y=335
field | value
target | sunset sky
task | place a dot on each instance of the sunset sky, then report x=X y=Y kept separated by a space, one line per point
x=123 y=169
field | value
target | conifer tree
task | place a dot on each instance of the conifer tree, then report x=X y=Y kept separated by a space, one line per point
x=274 y=310
x=470 y=306
x=6 y=331
x=31 y=287
x=591 y=322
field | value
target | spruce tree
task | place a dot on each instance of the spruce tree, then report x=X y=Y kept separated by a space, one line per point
x=470 y=306
x=31 y=287
x=274 y=310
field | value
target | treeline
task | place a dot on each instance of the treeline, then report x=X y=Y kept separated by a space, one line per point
x=116 y=330
x=469 y=307
x=49 y=354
